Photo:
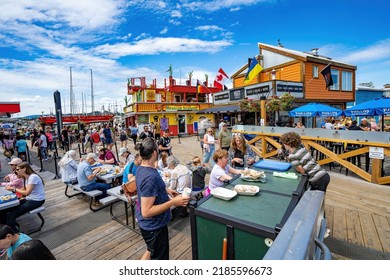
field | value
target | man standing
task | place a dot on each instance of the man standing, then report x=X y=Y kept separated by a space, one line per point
x=164 y=144
x=21 y=147
x=86 y=177
x=43 y=145
x=95 y=140
x=224 y=138
x=145 y=134
x=108 y=136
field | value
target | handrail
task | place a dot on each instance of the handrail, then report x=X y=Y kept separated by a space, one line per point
x=297 y=239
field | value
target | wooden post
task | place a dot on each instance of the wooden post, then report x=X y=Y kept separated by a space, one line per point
x=263 y=113
x=376 y=170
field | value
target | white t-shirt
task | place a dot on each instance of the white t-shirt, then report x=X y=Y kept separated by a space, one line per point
x=216 y=174
x=38 y=192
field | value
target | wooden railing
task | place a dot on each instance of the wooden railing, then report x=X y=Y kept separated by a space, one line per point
x=318 y=141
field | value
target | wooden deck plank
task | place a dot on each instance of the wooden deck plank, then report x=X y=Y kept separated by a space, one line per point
x=383 y=227
x=340 y=224
x=329 y=218
x=354 y=229
x=370 y=233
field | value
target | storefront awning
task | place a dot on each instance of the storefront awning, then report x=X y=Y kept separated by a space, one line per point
x=7 y=108
x=220 y=109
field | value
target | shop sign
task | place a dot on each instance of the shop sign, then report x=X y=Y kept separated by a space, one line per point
x=237 y=94
x=174 y=108
x=220 y=97
x=257 y=90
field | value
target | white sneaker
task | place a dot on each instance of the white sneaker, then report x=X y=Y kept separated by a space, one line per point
x=327 y=232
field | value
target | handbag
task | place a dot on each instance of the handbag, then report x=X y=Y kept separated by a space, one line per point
x=130 y=188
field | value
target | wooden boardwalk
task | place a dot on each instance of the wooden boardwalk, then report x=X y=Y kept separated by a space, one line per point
x=357 y=213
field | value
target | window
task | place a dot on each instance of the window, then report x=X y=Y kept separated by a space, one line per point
x=335 y=78
x=314 y=71
x=346 y=80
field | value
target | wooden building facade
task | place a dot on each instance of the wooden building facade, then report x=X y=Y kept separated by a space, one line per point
x=299 y=73
x=172 y=106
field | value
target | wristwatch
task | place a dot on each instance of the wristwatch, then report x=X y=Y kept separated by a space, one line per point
x=14 y=190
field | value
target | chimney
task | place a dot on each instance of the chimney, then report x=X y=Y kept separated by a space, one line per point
x=315 y=51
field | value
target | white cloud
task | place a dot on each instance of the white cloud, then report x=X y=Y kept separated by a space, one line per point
x=209 y=28
x=216 y=5
x=176 y=14
x=161 y=45
x=164 y=31
x=95 y=13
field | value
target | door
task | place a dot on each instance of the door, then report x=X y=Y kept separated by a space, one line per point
x=182 y=124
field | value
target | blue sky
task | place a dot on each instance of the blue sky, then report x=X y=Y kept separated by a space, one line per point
x=118 y=39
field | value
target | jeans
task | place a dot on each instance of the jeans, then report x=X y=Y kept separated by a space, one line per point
x=43 y=152
x=97 y=186
x=209 y=154
x=12 y=213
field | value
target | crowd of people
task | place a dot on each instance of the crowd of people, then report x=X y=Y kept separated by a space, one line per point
x=160 y=175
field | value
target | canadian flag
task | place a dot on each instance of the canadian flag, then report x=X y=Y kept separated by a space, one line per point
x=220 y=79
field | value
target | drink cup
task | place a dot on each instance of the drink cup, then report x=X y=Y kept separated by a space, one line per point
x=186 y=192
x=117 y=169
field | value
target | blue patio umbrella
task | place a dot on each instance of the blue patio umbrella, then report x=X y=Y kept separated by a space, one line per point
x=374 y=107
x=315 y=110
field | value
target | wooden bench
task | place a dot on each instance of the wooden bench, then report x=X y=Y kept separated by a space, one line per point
x=37 y=211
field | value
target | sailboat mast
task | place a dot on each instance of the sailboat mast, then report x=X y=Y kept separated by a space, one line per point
x=92 y=97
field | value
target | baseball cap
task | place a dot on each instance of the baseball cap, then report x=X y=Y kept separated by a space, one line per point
x=91 y=155
x=15 y=161
x=122 y=150
x=364 y=119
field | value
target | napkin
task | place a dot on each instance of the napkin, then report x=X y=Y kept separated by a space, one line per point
x=287 y=175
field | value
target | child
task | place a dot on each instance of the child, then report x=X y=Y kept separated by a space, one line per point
x=10 y=240
x=199 y=172
x=304 y=163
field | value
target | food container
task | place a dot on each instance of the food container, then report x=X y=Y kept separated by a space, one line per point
x=223 y=193
x=246 y=189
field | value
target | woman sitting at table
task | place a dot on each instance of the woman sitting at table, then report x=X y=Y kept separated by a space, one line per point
x=240 y=154
x=222 y=171
x=181 y=176
x=68 y=167
x=34 y=193
x=106 y=156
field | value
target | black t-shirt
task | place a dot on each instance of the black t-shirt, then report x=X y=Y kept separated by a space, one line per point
x=146 y=134
x=165 y=142
x=238 y=154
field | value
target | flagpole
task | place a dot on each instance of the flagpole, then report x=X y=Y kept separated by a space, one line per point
x=308 y=82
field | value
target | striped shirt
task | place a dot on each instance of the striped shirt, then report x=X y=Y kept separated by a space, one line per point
x=302 y=157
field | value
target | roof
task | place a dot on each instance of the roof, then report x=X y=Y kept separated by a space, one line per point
x=220 y=109
x=305 y=56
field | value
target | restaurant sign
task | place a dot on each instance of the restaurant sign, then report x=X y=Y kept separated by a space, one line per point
x=237 y=94
x=257 y=90
x=174 y=108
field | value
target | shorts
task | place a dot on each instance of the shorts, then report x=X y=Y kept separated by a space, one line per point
x=321 y=184
x=109 y=141
x=157 y=243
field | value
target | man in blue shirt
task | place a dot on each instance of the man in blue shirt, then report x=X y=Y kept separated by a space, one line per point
x=86 y=177
x=21 y=147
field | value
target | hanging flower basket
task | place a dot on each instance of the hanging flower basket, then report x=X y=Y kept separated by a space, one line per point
x=249 y=105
